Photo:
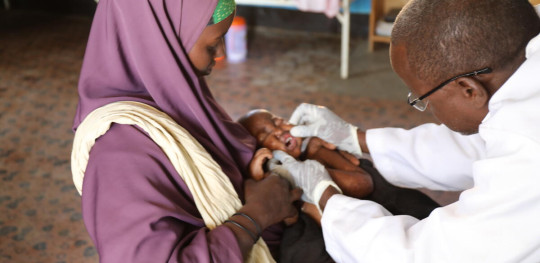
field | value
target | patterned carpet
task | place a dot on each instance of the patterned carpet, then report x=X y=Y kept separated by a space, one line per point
x=40 y=215
x=40 y=59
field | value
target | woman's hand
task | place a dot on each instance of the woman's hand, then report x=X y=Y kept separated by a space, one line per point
x=270 y=200
x=256 y=169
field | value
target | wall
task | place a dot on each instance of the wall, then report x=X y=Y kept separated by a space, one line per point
x=272 y=17
x=85 y=7
x=361 y=6
x=88 y=6
x=303 y=21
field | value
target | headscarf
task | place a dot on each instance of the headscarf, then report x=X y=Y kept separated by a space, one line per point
x=137 y=51
x=223 y=9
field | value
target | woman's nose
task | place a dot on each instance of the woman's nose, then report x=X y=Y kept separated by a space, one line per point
x=220 y=52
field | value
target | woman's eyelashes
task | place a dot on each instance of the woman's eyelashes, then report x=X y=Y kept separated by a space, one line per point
x=213 y=49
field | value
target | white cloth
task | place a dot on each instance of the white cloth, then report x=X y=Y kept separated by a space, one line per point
x=212 y=190
x=329 y=7
x=384 y=28
x=495 y=220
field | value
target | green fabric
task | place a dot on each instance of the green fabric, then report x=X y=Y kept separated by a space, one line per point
x=223 y=10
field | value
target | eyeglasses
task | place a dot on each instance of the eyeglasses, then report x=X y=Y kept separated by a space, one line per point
x=421 y=105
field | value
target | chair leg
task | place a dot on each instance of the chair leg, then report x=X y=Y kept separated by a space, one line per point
x=345 y=39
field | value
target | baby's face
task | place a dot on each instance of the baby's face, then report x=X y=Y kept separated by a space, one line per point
x=272 y=132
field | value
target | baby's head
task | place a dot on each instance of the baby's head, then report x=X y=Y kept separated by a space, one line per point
x=271 y=132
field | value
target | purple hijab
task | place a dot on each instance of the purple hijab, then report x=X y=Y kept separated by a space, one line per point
x=135 y=206
x=137 y=51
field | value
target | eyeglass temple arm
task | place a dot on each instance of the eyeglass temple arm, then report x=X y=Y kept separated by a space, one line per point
x=474 y=73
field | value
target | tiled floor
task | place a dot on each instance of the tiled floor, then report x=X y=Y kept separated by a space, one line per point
x=40 y=59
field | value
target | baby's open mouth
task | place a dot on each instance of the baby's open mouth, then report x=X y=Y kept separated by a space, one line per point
x=289 y=141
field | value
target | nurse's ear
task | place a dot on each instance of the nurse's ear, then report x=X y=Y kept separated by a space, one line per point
x=473 y=91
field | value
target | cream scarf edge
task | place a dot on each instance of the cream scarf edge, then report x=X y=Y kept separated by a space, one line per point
x=212 y=190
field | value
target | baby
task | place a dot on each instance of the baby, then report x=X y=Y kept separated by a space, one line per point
x=272 y=133
x=356 y=178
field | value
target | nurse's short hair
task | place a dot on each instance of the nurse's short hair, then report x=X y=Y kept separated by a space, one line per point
x=444 y=38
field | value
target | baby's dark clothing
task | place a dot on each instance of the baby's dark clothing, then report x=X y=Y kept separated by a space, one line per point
x=303 y=241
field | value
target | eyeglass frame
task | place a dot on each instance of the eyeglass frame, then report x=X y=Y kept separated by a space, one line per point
x=414 y=102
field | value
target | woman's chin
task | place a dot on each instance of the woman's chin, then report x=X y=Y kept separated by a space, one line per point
x=204 y=72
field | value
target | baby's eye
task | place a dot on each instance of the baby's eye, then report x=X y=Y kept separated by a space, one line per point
x=262 y=137
x=278 y=121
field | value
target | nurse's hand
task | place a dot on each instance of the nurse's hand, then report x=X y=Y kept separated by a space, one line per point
x=319 y=121
x=309 y=175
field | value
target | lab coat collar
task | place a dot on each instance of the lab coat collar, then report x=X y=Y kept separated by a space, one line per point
x=534 y=44
x=519 y=86
x=533 y=47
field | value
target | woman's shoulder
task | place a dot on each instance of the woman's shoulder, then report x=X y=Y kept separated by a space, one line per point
x=123 y=138
x=125 y=143
x=127 y=153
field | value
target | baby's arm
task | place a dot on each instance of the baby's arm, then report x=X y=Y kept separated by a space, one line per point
x=352 y=179
x=357 y=184
x=256 y=166
x=330 y=158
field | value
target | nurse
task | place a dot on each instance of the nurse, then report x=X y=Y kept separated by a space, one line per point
x=476 y=66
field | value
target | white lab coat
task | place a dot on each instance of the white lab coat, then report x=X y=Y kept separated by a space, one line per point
x=497 y=217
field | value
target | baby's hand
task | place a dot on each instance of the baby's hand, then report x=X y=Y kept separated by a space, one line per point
x=291 y=220
x=351 y=158
x=312 y=211
x=256 y=169
x=315 y=144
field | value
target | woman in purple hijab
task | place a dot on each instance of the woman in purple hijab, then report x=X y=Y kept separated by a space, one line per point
x=135 y=205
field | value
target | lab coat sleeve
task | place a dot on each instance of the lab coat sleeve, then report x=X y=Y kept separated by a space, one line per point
x=495 y=221
x=430 y=156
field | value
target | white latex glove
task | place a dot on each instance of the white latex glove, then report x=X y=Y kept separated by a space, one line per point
x=319 y=121
x=309 y=175
x=273 y=165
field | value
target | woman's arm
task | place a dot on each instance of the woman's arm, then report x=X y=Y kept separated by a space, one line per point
x=136 y=207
